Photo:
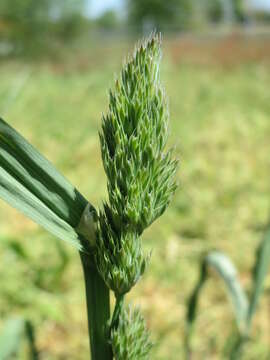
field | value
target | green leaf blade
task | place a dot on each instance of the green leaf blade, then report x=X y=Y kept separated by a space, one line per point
x=38 y=175
x=31 y=184
x=23 y=200
x=192 y=308
x=11 y=337
x=259 y=273
x=227 y=271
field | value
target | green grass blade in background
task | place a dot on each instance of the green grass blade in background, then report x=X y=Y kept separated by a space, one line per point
x=193 y=307
x=31 y=338
x=260 y=271
x=31 y=184
x=12 y=336
x=225 y=268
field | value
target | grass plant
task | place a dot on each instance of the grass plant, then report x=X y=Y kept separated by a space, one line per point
x=244 y=306
x=219 y=119
x=140 y=182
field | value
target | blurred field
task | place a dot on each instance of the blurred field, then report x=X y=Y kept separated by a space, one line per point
x=220 y=121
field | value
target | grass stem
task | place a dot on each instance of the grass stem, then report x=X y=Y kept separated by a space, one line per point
x=98 y=310
x=117 y=310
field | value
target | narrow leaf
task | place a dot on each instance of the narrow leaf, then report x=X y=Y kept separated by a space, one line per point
x=225 y=268
x=31 y=184
x=193 y=308
x=260 y=271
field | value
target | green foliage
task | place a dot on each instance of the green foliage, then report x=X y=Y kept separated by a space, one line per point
x=214 y=10
x=130 y=339
x=31 y=184
x=225 y=268
x=259 y=274
x=28 y=27
x=21 y=9
x=140 y=172
x=70 y=21
x=68 y=27
x=202 y=99
x=159 y=14
x=46 y=275
x=108 y=20
x=141 y=182
x=244 y=309
x=239 y=9
x=24 y=23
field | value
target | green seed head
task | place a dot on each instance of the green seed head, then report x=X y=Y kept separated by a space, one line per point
x=134 y=133
x=130 y=340
x=140 y=171
x=120 y=258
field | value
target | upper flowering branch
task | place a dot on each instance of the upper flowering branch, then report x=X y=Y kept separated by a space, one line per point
x=134 y=134
x=140 y=171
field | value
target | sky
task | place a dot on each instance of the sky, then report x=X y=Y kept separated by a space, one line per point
x=262 y=4
x=97 y=7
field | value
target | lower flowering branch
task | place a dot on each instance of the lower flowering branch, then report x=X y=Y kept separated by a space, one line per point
x=119 y=303
x=129 y=337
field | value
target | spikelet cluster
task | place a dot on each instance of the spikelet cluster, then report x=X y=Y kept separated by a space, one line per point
x=140 y=172
x=130 y=340
x=134 y=133
x=120 y=257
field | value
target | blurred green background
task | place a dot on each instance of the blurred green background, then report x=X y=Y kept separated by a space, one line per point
x=57 y=61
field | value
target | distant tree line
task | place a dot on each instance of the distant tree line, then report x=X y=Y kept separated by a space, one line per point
x=28 y=25
x=31 y=26
x=183 y=14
